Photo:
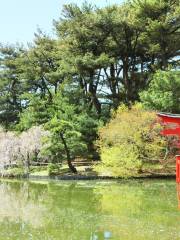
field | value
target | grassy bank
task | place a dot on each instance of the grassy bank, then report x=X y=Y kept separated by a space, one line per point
x=85 y=170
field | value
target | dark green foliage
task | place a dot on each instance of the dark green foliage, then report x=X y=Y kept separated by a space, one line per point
x=113 y=50
x=104 y=56
x=65 y=140
x=163 y=93
x=38 y=112
x=99 y=59
x=11 y=84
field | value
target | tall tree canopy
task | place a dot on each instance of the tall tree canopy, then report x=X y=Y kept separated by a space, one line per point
x=100 y=58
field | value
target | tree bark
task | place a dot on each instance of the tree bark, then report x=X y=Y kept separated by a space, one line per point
x=113 y=86
x=71 y=167
x=27 y=164
x=126 y=81
x=94 y=99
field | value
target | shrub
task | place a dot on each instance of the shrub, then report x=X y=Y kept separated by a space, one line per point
x=53 y=169
x=129 y=140
x=17 y=172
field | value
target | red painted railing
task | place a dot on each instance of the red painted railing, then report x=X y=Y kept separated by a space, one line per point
x=172 y=127
x=178 y=169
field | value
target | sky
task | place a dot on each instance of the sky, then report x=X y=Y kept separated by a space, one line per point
x=19 y=19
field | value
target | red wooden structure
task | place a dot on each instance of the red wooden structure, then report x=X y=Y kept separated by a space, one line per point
x=172 y=127
x=178 y=169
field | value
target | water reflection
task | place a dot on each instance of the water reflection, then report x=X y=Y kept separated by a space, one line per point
x=107 y=235
x=17 y=203
x=90 y=210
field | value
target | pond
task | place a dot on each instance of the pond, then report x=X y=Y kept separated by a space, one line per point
x=95 y=210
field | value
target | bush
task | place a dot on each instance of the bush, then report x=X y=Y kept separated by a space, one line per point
x=129 y=140
x=120 y=160
x=14 y=172
x=53 y=169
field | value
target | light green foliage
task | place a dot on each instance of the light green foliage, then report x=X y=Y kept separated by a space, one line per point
x=17 y=172
x=120 y=160
x=131 y=138
x=53 y=169
x=163 y=93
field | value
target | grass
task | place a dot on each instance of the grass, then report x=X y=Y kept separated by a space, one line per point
x=56 y=170
x=40 y=173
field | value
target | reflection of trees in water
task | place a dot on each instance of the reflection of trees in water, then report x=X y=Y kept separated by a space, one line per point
x=78 y=210
x=65 y=211
x=21 y=210
x=140 y=210
x=16 y=204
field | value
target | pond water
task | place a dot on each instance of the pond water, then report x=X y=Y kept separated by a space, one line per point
x=86 y=210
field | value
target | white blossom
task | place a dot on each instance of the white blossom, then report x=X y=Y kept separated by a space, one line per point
x=15 y=148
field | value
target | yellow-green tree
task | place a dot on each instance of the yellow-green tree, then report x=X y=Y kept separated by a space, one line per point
x=130 y=139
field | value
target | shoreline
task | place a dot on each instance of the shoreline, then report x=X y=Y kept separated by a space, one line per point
x=90 y=178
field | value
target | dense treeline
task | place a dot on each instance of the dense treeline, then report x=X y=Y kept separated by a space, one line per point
x=99 y=59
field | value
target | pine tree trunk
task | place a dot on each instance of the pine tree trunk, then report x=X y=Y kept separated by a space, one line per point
x=71 y=167
x=127 y=83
